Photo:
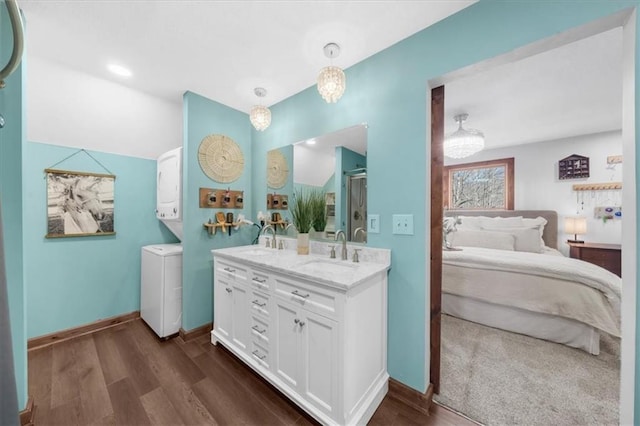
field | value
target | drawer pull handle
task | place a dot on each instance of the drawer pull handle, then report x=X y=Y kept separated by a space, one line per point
x=257 y=329
x=257 y=355
x=230 y=270
x=228 y=290
x=257 y=303
x=296 y=293
x=258 y=280
x=300 y=323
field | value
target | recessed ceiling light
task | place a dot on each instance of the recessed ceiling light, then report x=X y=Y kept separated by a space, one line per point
x=119 y=70
x=311 y=142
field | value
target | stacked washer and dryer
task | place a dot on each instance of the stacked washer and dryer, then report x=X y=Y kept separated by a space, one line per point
x=161 y=272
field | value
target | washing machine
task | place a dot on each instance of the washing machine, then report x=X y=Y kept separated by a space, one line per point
x=161 y=288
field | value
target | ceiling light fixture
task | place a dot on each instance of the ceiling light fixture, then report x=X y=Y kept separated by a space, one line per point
x=463 y=142
x=331 y=81
x=119 y=70
x=260 y=115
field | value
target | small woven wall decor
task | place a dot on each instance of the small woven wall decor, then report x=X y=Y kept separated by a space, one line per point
x=277 y=169
x=221 y=158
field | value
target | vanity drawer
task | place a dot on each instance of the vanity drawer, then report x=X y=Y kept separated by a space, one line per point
x=260 y=329
x=260 y=281
x=231 y=271
x=311 y=297
x=259 y=303
x=260 y=353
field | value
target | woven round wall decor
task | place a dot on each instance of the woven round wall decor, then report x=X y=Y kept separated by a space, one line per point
x=277 y=169
x=220 y=158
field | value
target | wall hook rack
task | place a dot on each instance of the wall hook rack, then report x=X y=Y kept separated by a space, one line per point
x=607 y=186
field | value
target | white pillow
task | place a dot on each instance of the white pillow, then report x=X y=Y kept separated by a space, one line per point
x=526 y=239
x=486 y=239
x=497 y=223
x=471 y=222
x=537 y=223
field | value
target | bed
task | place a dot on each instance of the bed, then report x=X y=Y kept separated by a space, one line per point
x=505 y=272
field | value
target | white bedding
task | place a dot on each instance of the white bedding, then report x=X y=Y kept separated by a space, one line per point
x=546 y=283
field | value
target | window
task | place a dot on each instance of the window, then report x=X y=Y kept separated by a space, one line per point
x=485 y=185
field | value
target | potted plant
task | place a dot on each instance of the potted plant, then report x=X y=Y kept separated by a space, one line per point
x=318 y=211
x=302 y=217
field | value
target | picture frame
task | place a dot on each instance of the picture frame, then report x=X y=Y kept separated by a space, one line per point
x=79 y=204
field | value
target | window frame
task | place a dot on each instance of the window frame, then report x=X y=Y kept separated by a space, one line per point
x=508 y=163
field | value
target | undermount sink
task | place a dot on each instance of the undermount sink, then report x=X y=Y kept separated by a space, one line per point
x=321 y=265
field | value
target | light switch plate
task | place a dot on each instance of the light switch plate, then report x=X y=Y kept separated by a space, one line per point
x=403 y=224
x=373 y=223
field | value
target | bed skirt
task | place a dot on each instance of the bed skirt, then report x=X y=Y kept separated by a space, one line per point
x=542 y=326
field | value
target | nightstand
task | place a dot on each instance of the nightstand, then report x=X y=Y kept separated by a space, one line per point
x=608 y=256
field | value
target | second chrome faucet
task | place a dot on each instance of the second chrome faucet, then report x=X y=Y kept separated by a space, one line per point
x=344 y=243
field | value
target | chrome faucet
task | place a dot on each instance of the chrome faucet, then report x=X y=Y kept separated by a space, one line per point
x=344 y=243
x=273 y=231
x=361 y=230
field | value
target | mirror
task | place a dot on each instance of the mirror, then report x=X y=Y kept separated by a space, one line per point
x=335 y=164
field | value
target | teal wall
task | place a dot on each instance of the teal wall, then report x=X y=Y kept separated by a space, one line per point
x=75 y=281
x=345 y=160
x=11 y=141
x=203 y=117
x=389 y=91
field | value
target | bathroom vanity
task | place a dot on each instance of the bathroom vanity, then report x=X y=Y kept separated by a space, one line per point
x=314 y=327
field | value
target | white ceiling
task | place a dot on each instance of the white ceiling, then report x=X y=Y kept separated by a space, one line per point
x=569 y=91
x=223 y=49
x=220 y=49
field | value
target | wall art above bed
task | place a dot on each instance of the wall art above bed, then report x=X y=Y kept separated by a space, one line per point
x=573 y=167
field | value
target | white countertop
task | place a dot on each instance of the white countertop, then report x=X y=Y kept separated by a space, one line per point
x=341 y=274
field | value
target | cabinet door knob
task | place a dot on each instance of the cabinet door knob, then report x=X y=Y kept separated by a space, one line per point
x=299 y=322
x=228 y=290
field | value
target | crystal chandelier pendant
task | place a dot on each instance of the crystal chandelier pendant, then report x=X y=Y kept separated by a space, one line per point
x=260 y=116
x=463 y=142
x=331 y=80
x=331 y=84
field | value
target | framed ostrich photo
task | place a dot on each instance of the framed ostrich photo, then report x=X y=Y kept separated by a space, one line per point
x=79 y=204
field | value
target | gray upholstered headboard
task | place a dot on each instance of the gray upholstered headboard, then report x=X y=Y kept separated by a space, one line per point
x=550 y=234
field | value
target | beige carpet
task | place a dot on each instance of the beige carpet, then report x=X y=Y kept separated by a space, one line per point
x=501 y=378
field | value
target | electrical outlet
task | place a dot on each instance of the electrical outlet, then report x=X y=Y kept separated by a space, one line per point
x=373 y=223
x=403 y=224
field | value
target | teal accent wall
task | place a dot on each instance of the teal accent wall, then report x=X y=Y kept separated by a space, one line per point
x=11 y=140
x=390 y=92
x=345 y=160
x=203 y=117
x=79 y=280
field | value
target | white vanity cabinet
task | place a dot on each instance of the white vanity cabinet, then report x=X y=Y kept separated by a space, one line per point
x=322 y=343
x=230 y=303
x=307 y=353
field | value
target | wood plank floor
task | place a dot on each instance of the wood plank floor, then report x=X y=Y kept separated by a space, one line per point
x=126 y=376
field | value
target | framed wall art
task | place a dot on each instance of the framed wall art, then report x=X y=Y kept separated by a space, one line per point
x=79 y=204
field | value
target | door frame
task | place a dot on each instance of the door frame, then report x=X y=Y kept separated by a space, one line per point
x=625 y=19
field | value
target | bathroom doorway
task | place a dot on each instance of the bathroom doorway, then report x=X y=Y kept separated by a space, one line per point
x=357 y=206
x=629 y=242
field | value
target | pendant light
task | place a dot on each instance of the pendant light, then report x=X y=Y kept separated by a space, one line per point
x=463 y=142
x=260 y=115
x=331 y=80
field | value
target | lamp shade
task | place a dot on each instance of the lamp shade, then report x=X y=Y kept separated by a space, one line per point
x=576 y=225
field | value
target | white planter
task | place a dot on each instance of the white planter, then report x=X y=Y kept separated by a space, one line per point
x=303 y=243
